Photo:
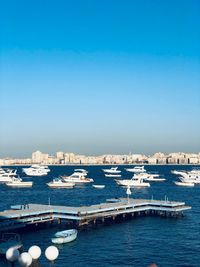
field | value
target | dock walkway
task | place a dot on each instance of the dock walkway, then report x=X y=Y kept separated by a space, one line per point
x=114 y=209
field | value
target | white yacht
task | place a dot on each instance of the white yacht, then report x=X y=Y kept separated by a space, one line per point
x=113 y=170
x=77 y=178
x=150 y=177
x=36 y=170
x=58 y=183
x=136 y=169
x=6 y=175
x=17 y=182
x=188 y=176
x=136 y=181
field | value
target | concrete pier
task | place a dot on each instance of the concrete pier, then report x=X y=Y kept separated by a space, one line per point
x=80 y=217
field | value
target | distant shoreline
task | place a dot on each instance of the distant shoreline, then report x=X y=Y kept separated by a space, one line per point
x=78 y=164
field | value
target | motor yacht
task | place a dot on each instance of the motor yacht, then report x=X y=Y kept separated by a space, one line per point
x=77 y=178
x=136 y=169
x=113 y=170
x=136 y=181
x=188 y=176
x=36 y=170
x=17 y=182
x=59 y=183
x=6 y=175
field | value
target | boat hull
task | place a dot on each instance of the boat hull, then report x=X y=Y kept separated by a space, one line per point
x=132 y=183
x=184 y=184
x=22 y=184
x=61 y=185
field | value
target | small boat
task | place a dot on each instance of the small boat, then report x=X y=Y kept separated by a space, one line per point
x=17 y=182
x=134 y=182
x=188 y=176
x=58 y=183
x=113 y=170
x=136 y=169
x=98 y=186
x=6 y=175
x=184 y=184
x=64 y=236
x=9 y=240
x=112 y=175
x=77 y=178
x=36 y=170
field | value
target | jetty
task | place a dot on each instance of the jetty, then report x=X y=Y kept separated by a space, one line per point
x=113 y=210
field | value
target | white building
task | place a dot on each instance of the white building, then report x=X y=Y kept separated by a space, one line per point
x=60 y=155
x=39 y=157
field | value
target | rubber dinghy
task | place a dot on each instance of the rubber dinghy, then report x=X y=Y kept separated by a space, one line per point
x=64 y=236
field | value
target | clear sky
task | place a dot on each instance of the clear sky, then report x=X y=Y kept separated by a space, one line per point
x=97 y=77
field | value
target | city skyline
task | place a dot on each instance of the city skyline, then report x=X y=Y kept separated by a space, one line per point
x=104 y=78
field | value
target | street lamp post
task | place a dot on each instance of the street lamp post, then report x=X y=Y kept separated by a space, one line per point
x=51 y=254
x=25 y=259
x=35 y=253
x=12 y=255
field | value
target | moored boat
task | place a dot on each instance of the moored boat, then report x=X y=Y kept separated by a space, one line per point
x=99 y=186
x=37 y=170
x=77 y=178
x=64 y=236
x=113 y=170
x=136 y=169
x=6 y=175
x=58 y=183
x=134 y=182
x=17 y=182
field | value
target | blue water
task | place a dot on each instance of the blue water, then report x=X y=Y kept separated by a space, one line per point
x=139 y=242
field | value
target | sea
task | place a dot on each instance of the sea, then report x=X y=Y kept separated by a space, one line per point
x=137 y=242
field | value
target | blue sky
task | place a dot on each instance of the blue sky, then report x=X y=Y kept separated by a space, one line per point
x=99 y=77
